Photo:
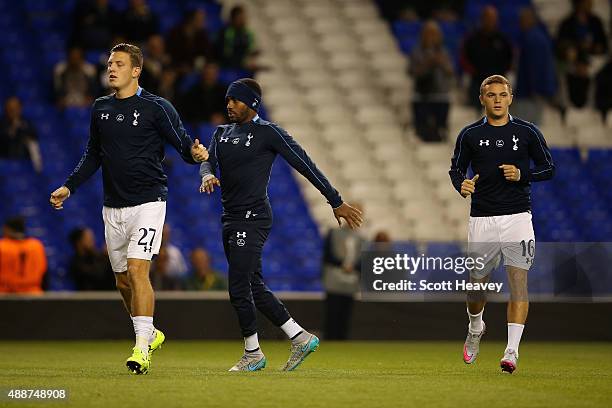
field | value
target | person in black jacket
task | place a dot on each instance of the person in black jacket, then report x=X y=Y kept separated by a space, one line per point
x=18 y=137
x=89 y=267
x=244 y=151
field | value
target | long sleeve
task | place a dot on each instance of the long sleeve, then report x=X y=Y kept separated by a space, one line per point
x=209 y=167
x=171 y=127
x=91 y=159
x=460 y=161
x=283 y=144
x=542 y=159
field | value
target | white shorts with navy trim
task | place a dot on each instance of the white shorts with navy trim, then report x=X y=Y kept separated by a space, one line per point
x=510 y=236
x=133 y=232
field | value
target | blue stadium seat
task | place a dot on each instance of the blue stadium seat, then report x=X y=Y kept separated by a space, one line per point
x=404 y=29
x=227 y=76
x=407 y=44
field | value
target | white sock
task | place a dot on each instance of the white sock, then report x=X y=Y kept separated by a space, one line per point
x=251 y=343
x=295 y=332
x=153 y=333
x=515 y=331
x=143 y=327
x=475 y=321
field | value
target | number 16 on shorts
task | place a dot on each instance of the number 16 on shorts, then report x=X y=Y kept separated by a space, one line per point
x=528 y=250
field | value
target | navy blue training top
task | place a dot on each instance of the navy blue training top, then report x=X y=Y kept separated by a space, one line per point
x=244 y=154
x=485 y=147
x=127 y=138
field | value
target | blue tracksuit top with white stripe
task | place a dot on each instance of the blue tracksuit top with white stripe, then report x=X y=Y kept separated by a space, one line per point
x=245 y=153
x=485 y=147
x=127 y=138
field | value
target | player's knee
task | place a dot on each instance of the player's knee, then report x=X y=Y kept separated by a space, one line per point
x=138 y=271
x=239 y=296
x=122 y=281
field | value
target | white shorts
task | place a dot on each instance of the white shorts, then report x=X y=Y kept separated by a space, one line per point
x=133 y=232
x=509 y=235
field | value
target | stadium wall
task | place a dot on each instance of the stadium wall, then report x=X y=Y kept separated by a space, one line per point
x=210 y=316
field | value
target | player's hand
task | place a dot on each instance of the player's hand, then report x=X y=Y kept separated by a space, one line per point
x=199 y=152
x=351 y=214
x=469 y=186
x=208 y=184
x=511 y=173
x=58 y=197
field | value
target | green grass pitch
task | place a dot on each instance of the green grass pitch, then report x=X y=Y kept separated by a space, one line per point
x=353 y=374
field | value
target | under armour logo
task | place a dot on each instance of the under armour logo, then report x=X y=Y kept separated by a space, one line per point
x=147 y=249
x=224 y=139
x=104 y=116
x=249 y=136
x=136 y=115
x=515 y=140
x=241 y=234
x=484 y=142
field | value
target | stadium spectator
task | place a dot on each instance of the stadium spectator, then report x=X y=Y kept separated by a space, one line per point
x=203 y=275
x=536 y=77
x=432 y=69
x=341 y=269
x=189 y=41
x=156 y=61
x=95 y=21
x=205 y=100
x=603 y=88
x=236 y=42
x=486 y=51
x=382 y=237
x=139 y=22
x=382 y=241
x=411 y=10
x=578 y=80
x=169 y=268
x=18 y=138
x=89 y=267
x=74 y=80
x=168 y=84
x=581 y=34
x=23 y=261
